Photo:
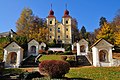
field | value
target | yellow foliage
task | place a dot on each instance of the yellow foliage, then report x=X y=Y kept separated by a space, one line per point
x=105 y=32
x=117 y=36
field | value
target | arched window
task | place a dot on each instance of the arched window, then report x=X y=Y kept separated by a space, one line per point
x=12 y=58
x=42 y=47
x=75 y=48
x=103 y=56
x=33 y=49
x=82 y=48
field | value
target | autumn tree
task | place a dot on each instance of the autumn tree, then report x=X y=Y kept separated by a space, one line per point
x=31 y=26
x=75 y=29
x=24 y=22
x=39 y=29
x=106 y=32
x=116 y=27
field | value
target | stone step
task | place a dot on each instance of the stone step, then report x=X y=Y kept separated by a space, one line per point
x=83 y=61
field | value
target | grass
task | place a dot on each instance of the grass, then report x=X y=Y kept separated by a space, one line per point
x=86 y=73
x=96 y=73
x=50 y=57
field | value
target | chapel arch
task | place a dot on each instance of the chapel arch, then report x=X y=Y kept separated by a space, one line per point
x=11 y=58
x=33 y=49
x=103 y=56
x=82 y=48
x=75 y=48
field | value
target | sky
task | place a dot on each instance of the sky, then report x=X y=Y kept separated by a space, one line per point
x=87 y=12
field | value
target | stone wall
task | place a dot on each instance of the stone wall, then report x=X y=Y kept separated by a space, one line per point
x=116 y=62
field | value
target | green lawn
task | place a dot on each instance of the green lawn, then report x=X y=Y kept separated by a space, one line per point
x=95 y=73
x=86 y=73
x=50 y=57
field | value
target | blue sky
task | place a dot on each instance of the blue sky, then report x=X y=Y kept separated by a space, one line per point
x=87 y=12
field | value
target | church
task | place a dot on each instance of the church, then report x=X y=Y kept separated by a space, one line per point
x=61 y=32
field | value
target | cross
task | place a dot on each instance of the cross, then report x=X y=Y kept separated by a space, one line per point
x=66 y=5
x=51 y=5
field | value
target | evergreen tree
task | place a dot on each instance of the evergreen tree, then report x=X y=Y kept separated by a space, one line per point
x=102 y=21
x=83 y=32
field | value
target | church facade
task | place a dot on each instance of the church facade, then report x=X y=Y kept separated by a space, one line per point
x=61 y=32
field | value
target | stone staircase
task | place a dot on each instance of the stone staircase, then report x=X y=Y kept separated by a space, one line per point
x=83 y=61
x=30 y=62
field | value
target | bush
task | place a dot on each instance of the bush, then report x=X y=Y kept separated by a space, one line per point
x=59 y=52
x=64 y=57
x=1 y=57
x=71 y=58
x=41 y=51
x=71 y=61
x=50 y=52
x=54 y=68
x=67 y=53
x=30 y=75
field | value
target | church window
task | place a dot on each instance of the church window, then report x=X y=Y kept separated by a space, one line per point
x=50 y=36
x=66 y=29
x=13 y=57
x=50 y=22
x=58 y=37
x=50 y=29
x=58 y=30
x=33 y=49
x=67 y=36
x=66 y=21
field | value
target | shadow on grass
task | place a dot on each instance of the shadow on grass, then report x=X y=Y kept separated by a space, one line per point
x=71 y=79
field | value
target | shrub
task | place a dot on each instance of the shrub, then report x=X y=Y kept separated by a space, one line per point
x=54 y=68
x=41 y=51
x=59 y=52
x=67 y=53
x=64 y=57
x=71 y=58
x=1 y=57
x=44 y=53
x=50 y=52
x=30 y=75
x=71 y=61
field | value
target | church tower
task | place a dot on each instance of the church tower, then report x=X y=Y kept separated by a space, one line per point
x=66 y=21
x=51 y=21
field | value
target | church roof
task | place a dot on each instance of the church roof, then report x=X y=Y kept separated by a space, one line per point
x=11 y=43
x=98 y=41
x=66 y=14
x=51 y=14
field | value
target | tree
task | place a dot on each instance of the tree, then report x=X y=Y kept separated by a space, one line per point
x=31 y=26
x=75 y=33
x=116 y=27
x=83 y=32
x=24 y=22
x=102 y=21
x=117 y=38
x=106 y=32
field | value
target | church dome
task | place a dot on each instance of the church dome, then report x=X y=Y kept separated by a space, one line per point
x=51 y=12
x=66 y=12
